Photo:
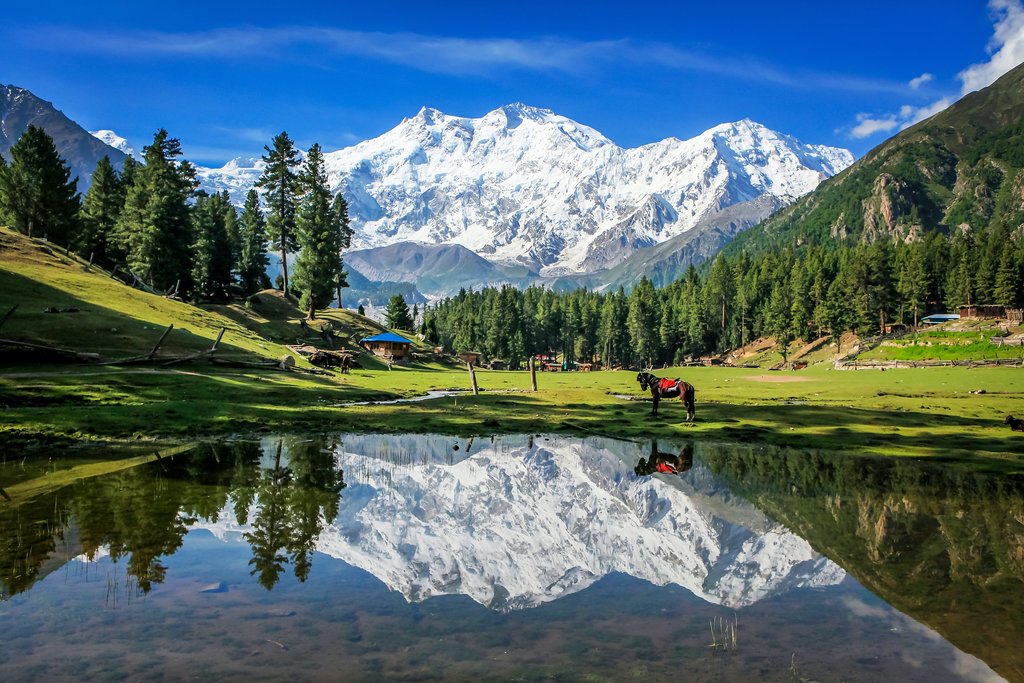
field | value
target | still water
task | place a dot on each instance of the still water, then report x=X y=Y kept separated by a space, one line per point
x=369 y=557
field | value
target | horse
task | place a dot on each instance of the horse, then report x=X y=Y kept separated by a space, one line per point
x=667 y=463
x=668 y=388
x=1016 y=424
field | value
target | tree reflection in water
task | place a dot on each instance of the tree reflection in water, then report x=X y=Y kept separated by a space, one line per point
x=142 y=514
x=293 y=501
x=942 y=544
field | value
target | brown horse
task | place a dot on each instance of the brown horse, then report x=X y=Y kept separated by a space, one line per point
x=667 y=463
x=668 y=388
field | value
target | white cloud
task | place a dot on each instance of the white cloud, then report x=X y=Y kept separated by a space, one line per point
x=867 y=126
x=436 y=54
x=916 y=83
x=1006 y=47
x=1007 y=50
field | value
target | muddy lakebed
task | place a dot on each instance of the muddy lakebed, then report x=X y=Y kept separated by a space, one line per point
x=527 y=557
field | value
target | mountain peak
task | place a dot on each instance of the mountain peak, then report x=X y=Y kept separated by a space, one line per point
x=21 y=108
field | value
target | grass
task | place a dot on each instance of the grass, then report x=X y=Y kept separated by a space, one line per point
x=932 y=412
x=952 y=414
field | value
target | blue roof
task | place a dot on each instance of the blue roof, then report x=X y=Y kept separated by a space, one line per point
x=388 y=337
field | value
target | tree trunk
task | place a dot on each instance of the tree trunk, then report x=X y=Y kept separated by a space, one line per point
x=311 y=315
x=533 y=374
x=472 y=379
x=284 y=267
x=339 y=293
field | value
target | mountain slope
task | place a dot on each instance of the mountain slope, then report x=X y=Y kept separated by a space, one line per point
x=961 y=167
x=19 y=109
x=439 y=269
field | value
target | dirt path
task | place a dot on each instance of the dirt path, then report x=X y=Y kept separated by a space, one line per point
x=776 y=379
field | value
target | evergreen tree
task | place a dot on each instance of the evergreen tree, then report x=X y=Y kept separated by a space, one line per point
x=100 y=211
x=232 y=228
x=397 y=313
x=777 y=318
x=212 y=253
x=912 y=283
x=37 y=195
x=318 y=266
x=280 y=183
x=154 y=228
x=252 y=235
x=643 y=321
x=361 y=310
x=1007 y=286
x=340 y=208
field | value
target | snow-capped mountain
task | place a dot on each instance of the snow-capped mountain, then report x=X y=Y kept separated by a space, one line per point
x=111 y=138
x=525 y=185
x=515 y=522
x=236 y=177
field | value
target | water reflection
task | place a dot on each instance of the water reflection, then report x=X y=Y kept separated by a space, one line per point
x=665 y=463
x=142 y=512
x=523 y=522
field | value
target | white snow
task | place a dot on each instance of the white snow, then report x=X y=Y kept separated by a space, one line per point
x=111 y=138
x=523 y=184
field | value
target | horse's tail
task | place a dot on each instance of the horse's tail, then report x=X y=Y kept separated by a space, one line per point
x=690 y=397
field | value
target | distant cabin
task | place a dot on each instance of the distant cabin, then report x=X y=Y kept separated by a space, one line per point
x=976 y=311
x=939 y=318
x=389 y=346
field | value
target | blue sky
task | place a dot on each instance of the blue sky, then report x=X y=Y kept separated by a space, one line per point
x=224 y=77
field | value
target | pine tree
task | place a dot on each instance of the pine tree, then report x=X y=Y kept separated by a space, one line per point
x=37 y=195
x=253 y=261
x=397 y=313
x=319 y=234
x=212 y=253
x=280 y=183
x=340 y=208
x=100 y=211
x=154 y=228
x=643 y=320
x=1006 y=290
x=912 y=284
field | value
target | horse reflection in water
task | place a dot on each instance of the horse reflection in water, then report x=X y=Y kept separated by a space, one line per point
x=666 y=463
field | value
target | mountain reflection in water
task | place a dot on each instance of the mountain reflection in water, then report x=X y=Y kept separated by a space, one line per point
x=522 y=521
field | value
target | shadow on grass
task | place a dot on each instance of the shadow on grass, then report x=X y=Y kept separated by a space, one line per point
x=105 y=330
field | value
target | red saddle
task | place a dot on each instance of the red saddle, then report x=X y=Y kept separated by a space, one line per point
x=667 y=384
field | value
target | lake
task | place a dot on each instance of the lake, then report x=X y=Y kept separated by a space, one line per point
x=530 y=557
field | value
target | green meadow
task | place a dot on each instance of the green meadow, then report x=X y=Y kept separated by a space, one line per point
x=953 y=414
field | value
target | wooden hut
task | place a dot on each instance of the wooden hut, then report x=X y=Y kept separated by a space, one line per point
x=389 y=346
x=974 y=311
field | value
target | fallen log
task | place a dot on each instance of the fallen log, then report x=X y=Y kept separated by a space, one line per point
x=48 y=351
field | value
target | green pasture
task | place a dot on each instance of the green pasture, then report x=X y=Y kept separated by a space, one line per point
x=953 y=414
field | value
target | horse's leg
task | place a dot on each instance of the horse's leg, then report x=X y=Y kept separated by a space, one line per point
x=654 y=404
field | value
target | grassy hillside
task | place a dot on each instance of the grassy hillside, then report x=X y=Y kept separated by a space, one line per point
x=109 y=318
